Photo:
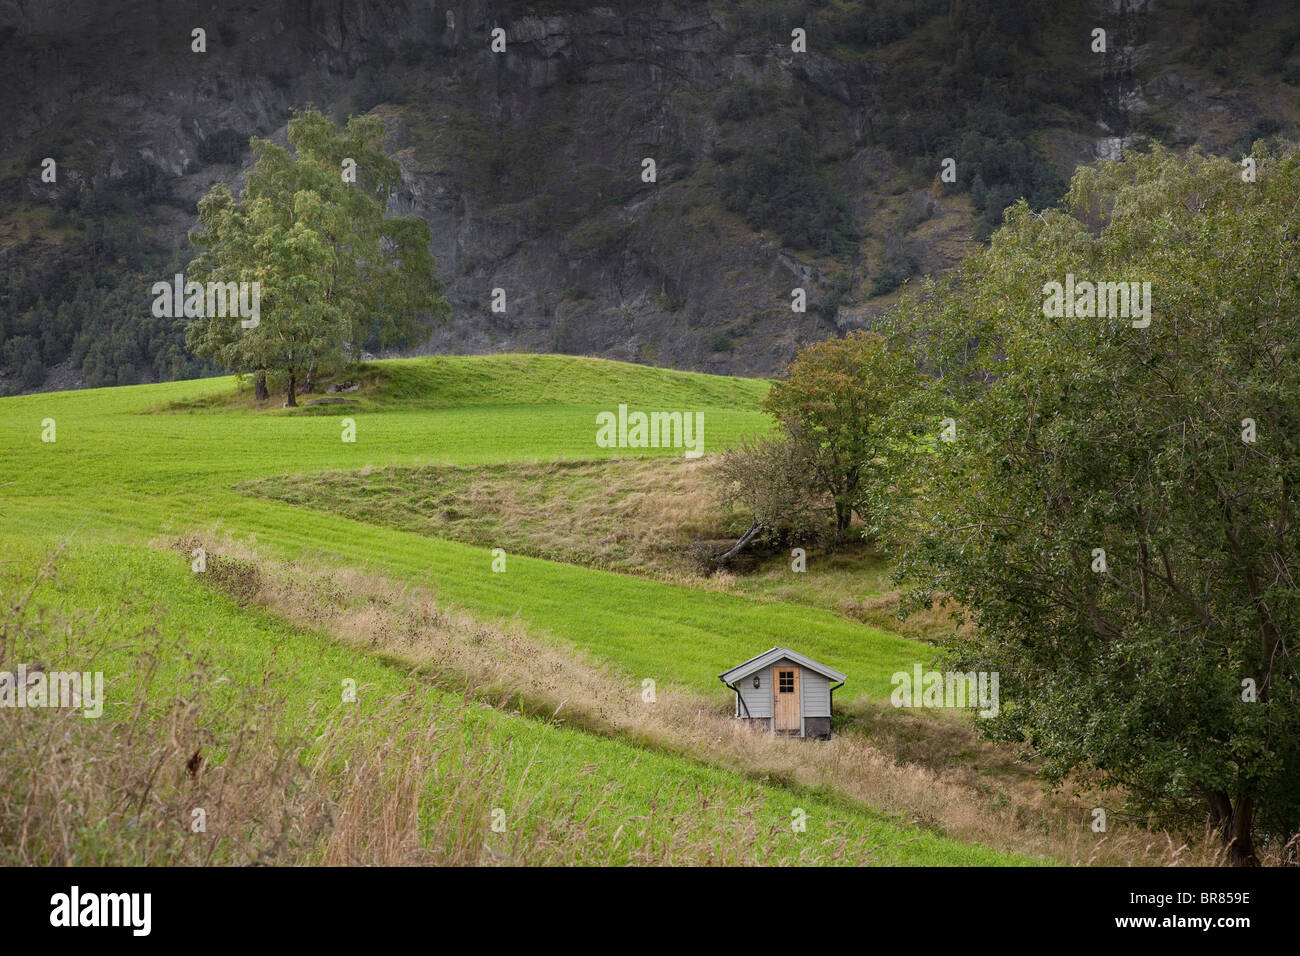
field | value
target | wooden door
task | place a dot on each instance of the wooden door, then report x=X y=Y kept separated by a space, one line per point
x=785 y=698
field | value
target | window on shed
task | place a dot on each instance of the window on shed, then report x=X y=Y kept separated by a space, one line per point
x=785 y=682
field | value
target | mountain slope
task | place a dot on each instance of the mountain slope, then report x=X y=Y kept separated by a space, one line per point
x=775 y=169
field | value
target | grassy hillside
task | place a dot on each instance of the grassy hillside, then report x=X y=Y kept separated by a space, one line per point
x=653 y=517
x=569 y=796
x=117 y=465
x=129 y=468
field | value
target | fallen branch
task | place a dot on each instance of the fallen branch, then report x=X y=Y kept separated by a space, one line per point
x=740 y=545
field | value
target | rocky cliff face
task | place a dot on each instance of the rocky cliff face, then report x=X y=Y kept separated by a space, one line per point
x=530 y=163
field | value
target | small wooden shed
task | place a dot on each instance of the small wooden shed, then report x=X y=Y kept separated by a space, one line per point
x=785 y=692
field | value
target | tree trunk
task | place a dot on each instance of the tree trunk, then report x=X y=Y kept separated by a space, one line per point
x=1234 y=824
x=309 y=385
x=843 y=518
x=259 y=385
x=739 y=546
x=292 y=400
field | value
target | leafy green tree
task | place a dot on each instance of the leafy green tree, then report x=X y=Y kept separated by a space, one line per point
x=849 y=405
x=334 y=272
x=1119 y=506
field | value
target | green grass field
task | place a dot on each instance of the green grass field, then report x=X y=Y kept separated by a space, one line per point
x=131 y=466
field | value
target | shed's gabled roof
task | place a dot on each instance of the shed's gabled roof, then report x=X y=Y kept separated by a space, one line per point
x=741 y=671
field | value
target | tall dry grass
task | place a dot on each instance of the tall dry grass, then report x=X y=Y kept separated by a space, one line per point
x=274 y=784
x=503 y=665
x=411 y=782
